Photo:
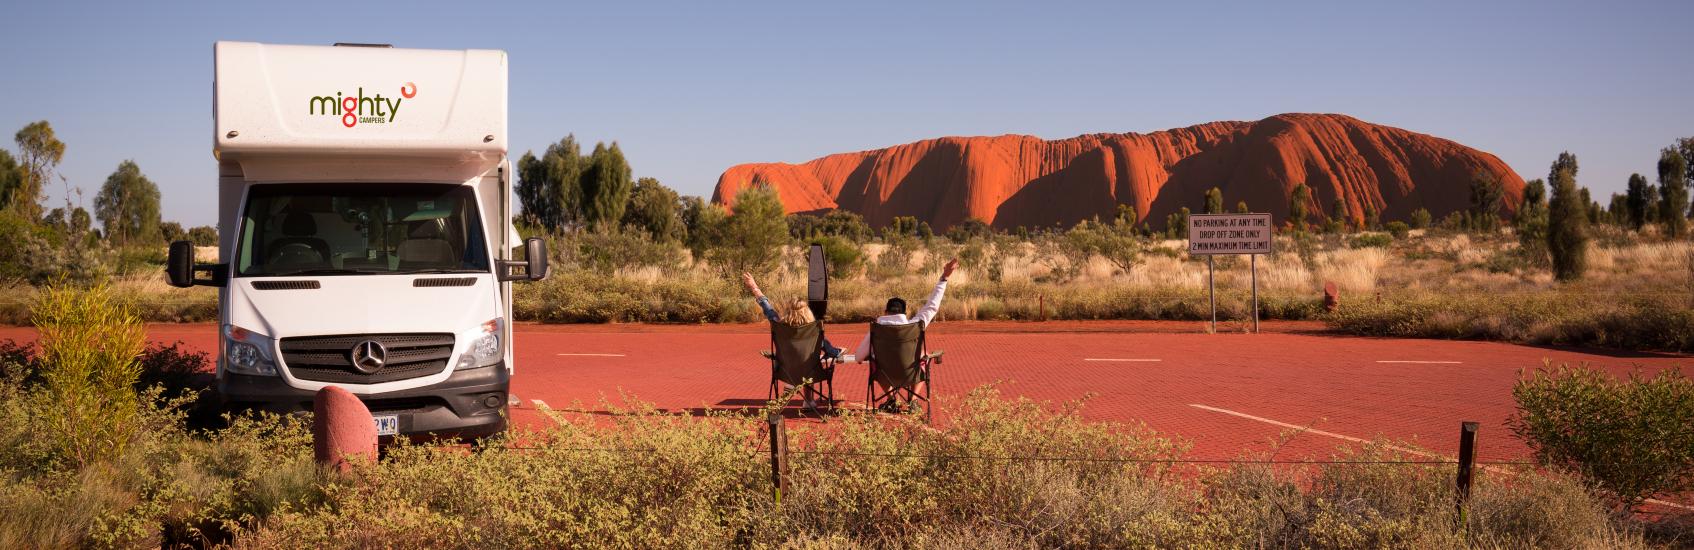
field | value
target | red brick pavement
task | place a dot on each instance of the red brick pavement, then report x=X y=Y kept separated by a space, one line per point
x=1292 y=373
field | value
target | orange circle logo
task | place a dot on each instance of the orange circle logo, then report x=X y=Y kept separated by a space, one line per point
x=408 y=93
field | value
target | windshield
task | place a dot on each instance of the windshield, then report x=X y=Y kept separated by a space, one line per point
x=358 y=229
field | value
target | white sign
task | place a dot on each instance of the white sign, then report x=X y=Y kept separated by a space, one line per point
x=1210 y=234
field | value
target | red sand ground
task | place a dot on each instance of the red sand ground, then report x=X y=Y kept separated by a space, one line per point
x=1293 y=373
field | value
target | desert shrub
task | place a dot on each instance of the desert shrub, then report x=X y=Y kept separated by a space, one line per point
x=577 y=296
x=1629 y=437
x=1116 y=242
x=1647 y=322
x=648 y=480
x=843 y=255
x=1398 y=229
x=89 y=343
x=606 y=251
x=176 y=370
x=1370 y=240
x=1420 y=219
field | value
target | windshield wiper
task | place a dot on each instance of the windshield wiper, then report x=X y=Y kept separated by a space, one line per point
x=328 y=271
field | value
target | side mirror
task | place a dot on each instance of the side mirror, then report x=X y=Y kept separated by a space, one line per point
x=180 y=268
x=179 y=265
x=535 y=255
x=534 y=263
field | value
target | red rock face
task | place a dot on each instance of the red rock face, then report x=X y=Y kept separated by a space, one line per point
x=1011 y=181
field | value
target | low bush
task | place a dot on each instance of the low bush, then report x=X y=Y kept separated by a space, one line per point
x=1398 y=229
x=1645 y=322
x=1630 y=437
x=1370 y=240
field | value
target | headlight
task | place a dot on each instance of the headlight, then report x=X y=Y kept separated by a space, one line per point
x=485 y=349
x=247 y=352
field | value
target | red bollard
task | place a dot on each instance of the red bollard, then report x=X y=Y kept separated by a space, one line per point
x=342 y=429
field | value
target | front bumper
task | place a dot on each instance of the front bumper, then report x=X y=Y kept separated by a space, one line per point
x=455 y=408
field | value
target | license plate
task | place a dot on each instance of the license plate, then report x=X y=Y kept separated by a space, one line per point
x=387 y=425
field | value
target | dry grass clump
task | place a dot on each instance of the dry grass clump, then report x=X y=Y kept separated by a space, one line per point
x=155 y=300
x=987 y=480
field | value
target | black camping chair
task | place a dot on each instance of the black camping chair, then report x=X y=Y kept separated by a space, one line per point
x=900 y=362
x=796 y=356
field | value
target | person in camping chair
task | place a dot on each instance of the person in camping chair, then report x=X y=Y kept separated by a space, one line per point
x=794 y=313
x=895 y=313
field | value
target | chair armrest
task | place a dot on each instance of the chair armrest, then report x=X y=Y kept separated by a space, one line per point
x=934 y=356
x=767 y=354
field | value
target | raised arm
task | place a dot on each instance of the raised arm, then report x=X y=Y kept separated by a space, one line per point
x=933 y=304
x=759 y=297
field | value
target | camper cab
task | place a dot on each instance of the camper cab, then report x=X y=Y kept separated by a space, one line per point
x=365 y=233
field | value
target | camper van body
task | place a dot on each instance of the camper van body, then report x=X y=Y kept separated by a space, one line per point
x=365 y=233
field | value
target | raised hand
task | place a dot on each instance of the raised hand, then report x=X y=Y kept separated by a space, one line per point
x=947 y=270
x=747 y=281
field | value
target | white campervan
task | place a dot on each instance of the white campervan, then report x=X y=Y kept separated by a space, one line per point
x=365 y=228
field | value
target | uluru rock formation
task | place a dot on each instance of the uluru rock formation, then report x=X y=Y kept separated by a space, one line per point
x=1014 y=180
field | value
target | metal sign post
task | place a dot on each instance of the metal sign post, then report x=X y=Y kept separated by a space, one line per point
x=1212 y=291
x=1255 y=269
x=1213 y=234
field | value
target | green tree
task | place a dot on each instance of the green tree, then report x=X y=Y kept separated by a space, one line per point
x=1639 y=197
x=1673 y=193
x=128 y=206
x=1486 y=198
x=605 y=187
x=1127 y=216
x=968 y=229
x=1531 y=220
x=703 y=224
x=204 y=235
x=1373 y=220
x=40 y=151
x=1567 y=231
x=171 y=232
x=655 y=209
x=1685 y=147
x=1566 y=161
x=754 y=233
x=1297 y=201
x=1117 y=242
x=549 y=188
x=1241 y=208
x=1214 y=201
x=1176 y=224
x=1339 y=220
x=1420 y=219
x=1618 y=211
x=900 y=227
x=13 y=178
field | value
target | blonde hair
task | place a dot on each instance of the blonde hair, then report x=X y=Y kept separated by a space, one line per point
x=795 y=313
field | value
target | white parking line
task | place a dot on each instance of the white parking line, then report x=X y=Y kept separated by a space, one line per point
x=539 y=404
x=591 y=355
x=1401 y=449
x=1307 y=429
x=1117 y=360
x=1424 y=362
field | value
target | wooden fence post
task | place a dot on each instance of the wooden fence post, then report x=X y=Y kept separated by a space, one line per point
x=1467 y=464
x=779 y=454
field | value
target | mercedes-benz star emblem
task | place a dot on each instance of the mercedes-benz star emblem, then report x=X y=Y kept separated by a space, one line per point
x=368 y=356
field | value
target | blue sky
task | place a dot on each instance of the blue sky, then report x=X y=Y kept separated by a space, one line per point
x=691 y=88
